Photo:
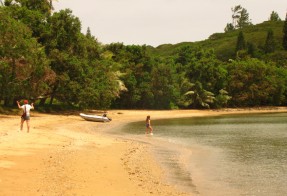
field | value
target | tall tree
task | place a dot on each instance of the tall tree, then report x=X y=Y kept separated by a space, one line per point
x=270 y=42
x=251 y=49
x=164 y=88
x=64 y=46
x=24 y=70
x=285 y=33
x=42 y=6
x=136 y=67
x=229 y=27
x=240 y=19
x=240 y=45
x=51 y=5
x=243 y=20
x=33 y=13
x=274 y=17
x=100 y=85
x=236 y=15
x=206 y=69
x=204 y=77
x=92 y=46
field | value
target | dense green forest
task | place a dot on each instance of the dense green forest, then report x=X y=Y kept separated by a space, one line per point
x=45 y=57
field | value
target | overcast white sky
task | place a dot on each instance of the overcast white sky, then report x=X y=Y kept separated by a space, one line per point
x=155 y=22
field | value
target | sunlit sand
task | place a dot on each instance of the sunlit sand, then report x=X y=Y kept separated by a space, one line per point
x=66 y=155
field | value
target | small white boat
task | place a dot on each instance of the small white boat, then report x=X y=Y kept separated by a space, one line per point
x=95 y=118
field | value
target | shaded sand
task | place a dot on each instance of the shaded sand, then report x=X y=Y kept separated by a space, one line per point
x=66 y=155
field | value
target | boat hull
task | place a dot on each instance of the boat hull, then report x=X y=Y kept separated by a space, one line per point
x=95 y=118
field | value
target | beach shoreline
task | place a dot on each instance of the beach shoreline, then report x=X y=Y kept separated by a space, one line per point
x=66 y=155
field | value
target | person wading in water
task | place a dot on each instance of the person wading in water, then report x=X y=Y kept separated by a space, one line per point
x=148 y=125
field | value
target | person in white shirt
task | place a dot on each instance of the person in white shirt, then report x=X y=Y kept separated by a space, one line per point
x=26 y=114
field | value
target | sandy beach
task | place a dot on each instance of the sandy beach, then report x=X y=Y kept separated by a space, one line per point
x=66 y=155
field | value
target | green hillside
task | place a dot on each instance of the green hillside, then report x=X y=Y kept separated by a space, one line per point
x=224 y=43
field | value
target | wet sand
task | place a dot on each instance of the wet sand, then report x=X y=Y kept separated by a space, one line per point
x=66 y=155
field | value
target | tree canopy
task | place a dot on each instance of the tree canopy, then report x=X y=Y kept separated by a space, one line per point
x=240 y=19
x=274 y=17
x=44 y=56
x=285 y=34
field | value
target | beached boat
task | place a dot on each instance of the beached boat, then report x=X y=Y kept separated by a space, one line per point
x=95 y=118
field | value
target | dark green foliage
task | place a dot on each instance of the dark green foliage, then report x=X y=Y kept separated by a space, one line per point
x=278 y=57
x=44 y=56
x=240 y=19
x=251 y=49
x=254 y=83
x=224 y=44
x=285 y=34
x=274 y=17
x=72 y=57
x=243 y=20
x=229 y=27
x=24 y=70
x=165 y=90
x=136 y=68
x=270 y=42
x=205 y=77
x=198 y=97
x=99 y=88
x=240 y=45
x=42 y=6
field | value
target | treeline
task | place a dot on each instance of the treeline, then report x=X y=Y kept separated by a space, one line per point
x=45 y=57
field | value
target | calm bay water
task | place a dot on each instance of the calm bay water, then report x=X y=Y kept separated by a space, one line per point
x=223 y=155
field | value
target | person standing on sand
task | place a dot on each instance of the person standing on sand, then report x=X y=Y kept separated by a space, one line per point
x=26 y=114
x=148 y=125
